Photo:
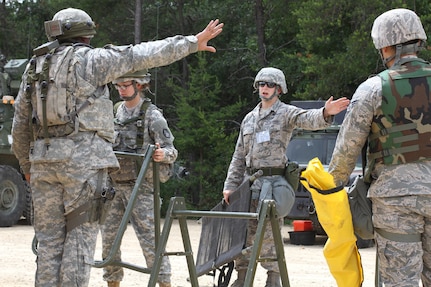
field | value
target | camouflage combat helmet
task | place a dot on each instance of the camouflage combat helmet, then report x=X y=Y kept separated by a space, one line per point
x=72 y=23
x=141 y=77
x=272 y=75
x=397 y=26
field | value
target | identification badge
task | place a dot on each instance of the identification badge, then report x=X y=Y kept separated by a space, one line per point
x=262 y=137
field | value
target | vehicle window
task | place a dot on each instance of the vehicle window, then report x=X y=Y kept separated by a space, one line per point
x=302 y=150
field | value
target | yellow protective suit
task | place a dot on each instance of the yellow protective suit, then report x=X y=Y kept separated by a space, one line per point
x=333 y=212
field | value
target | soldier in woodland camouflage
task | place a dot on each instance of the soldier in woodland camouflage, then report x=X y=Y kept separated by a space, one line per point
x=68 y=156
x=262 y=143
x=138 y=123
x=392 y=111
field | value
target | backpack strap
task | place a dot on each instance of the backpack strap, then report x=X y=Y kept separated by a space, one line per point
x=43 y=79
x=141 y=140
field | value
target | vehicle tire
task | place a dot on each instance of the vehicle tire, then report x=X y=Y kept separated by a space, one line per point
x=13 y=194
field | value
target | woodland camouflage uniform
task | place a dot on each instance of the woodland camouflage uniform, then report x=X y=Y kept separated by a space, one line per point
x=396 y=121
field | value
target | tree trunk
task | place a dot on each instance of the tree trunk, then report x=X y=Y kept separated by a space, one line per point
x=138 y=21
x=260 y=29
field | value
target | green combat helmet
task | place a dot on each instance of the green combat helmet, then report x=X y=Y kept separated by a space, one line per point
x=141 y=77
x=272 y=75
x=68 y=24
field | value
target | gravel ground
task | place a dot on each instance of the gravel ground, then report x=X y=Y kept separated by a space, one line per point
x=306 y=265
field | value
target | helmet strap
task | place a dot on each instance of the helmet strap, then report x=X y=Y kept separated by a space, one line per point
x=402 y=50
x=271 y=97
x=386 y=60
x=127 y=99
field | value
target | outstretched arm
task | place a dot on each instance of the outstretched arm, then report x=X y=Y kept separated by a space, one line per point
x=212 y=30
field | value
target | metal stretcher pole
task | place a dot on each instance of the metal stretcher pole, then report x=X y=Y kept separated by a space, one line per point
x=147 y=157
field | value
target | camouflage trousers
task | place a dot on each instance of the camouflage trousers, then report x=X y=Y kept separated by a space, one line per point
x=268 y=246
x=142 y=220
x=403 y=264
x=64 y=258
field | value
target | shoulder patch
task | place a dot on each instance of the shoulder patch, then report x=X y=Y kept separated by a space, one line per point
x=166 y=133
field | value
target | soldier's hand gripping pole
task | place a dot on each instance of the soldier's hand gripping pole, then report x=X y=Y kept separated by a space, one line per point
x=236 y=195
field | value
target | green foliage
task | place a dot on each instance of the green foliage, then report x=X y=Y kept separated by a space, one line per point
x=338 y=53
x=204 y=144
x=323 y=46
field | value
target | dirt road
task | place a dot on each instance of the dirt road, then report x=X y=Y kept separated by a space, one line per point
x=306 y=265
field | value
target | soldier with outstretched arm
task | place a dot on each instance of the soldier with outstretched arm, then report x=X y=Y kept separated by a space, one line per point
x=63 y=131
x=262 y=142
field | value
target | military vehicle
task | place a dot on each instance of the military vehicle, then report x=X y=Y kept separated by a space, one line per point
x=306 y=145
x=15 y=194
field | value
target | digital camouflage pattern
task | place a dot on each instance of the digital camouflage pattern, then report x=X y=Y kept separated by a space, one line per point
x=396 y=192
x=271 y=75
x=400 y=263
x=280 y=121
x=63 y=258
x=402 y=133
x=142 y=220
x=95 y=69
x=141 y=77
x=134 y=137
x=63 y=173
x=268 y=247
x=396 y=26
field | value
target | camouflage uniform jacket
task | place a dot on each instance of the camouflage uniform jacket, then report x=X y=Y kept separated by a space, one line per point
x=280 y=121
x=153 y=129
x=389 y=180
x=93 y=68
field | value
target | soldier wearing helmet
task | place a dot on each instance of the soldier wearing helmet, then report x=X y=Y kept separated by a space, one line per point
x=63 y=131
x=262 y=142
x=70 y=24
x=390 y=114
x=138 y=123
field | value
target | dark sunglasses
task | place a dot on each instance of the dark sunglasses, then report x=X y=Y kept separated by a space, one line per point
x=270 y=85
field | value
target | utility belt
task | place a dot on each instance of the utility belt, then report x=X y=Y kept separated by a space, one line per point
x=291 y=172
x=267 y=171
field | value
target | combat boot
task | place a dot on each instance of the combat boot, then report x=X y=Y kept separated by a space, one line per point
x=114 y=284
x=239 y=282
x=161 y=284
x=273 y=279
